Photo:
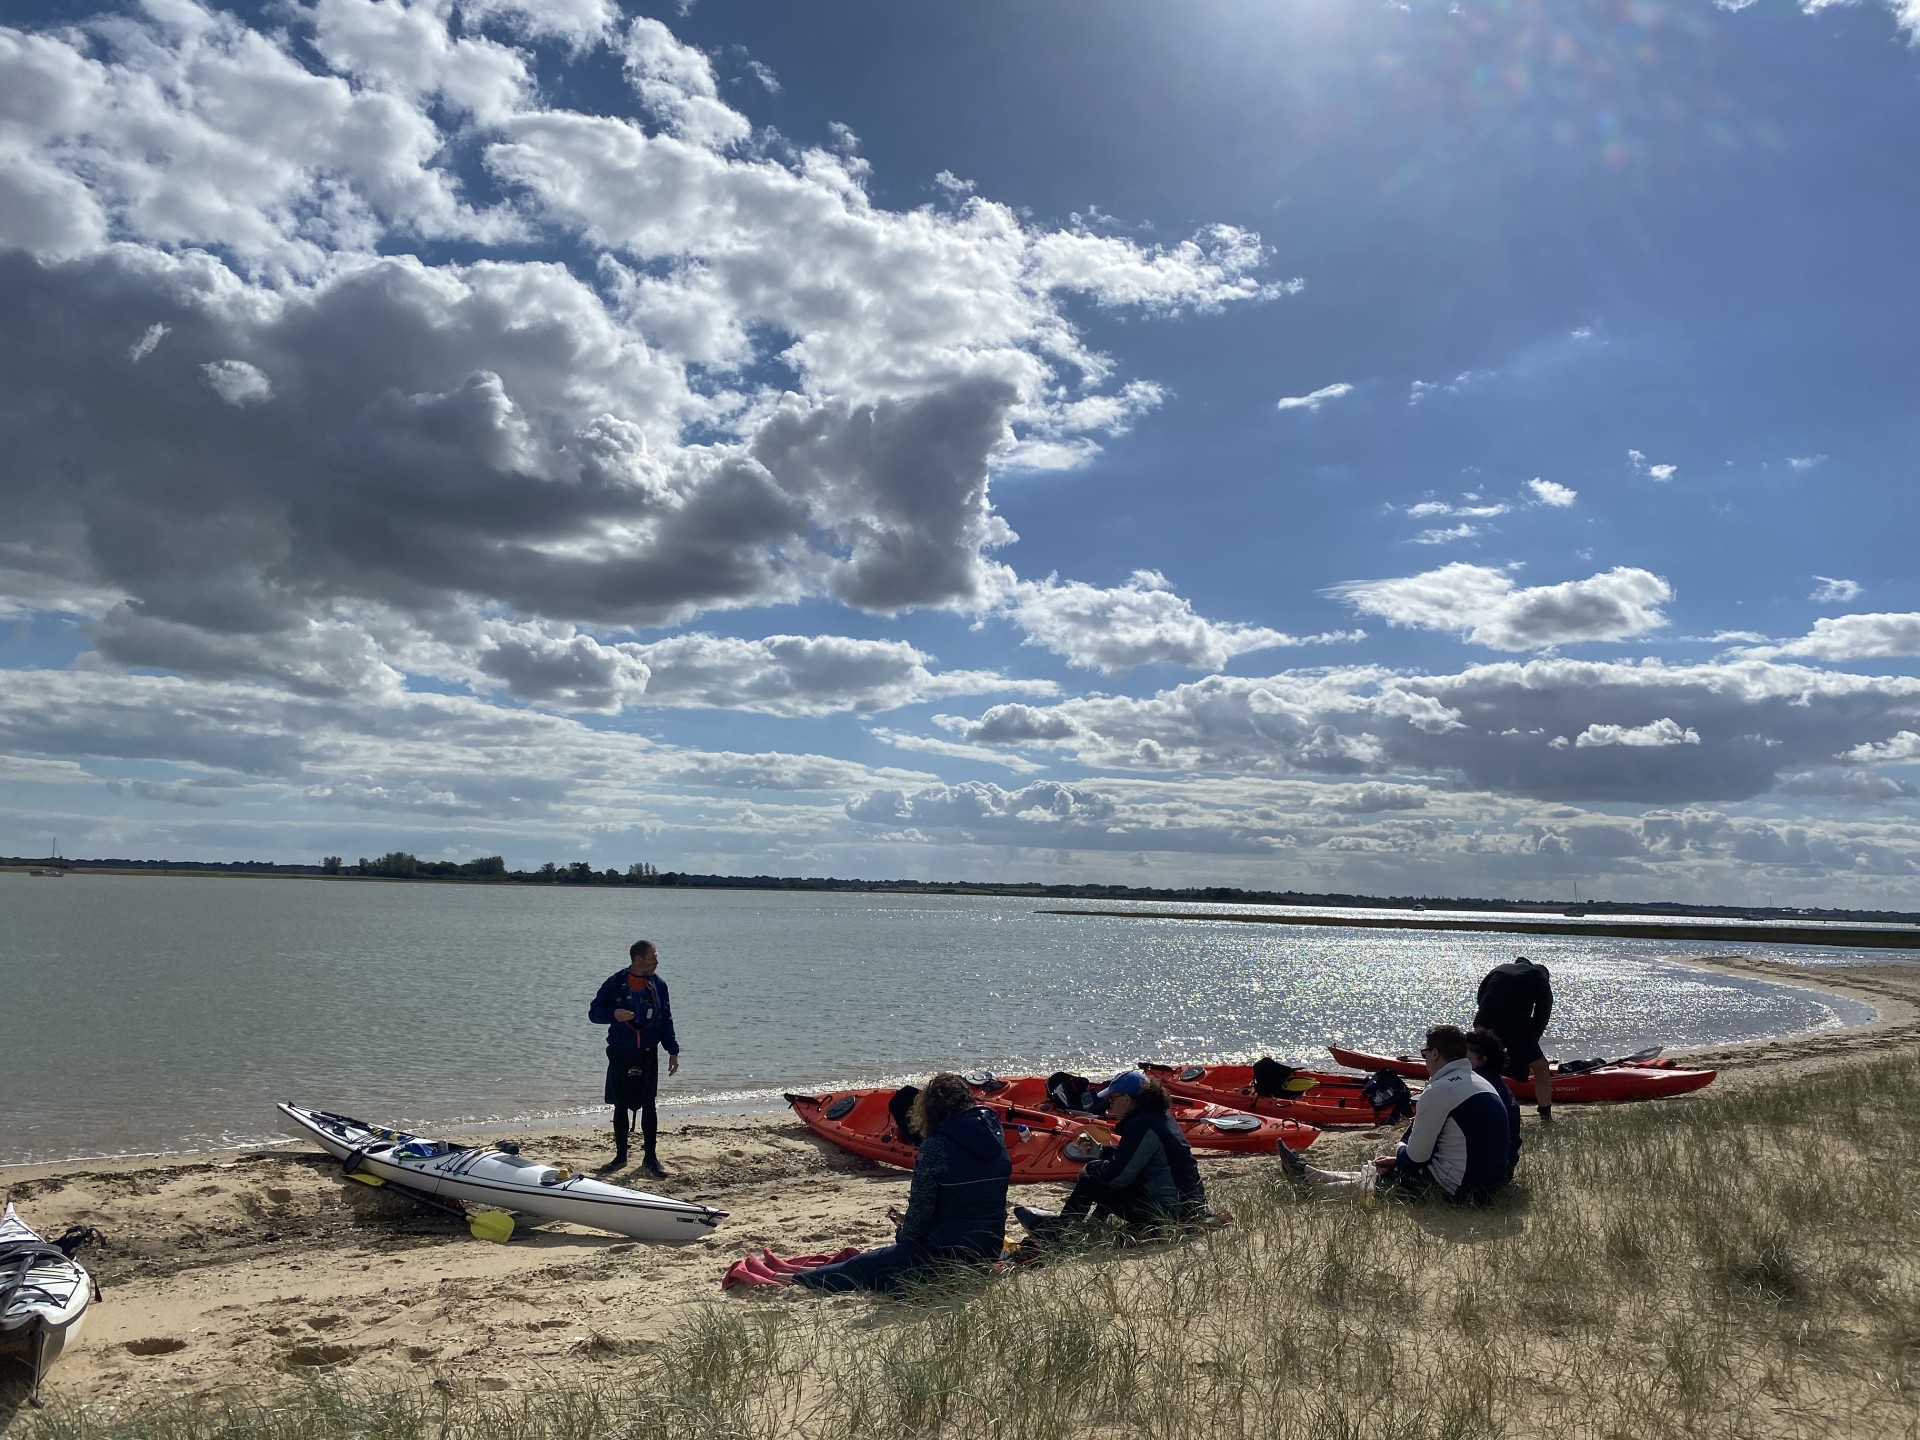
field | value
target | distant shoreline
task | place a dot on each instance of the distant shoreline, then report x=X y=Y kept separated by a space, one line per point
x=1849 y=937
x=1718 y=922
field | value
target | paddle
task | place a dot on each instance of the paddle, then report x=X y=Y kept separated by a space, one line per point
x=494 y=1225
x=1639 y=1057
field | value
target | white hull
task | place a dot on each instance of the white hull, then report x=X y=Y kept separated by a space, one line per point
x=483 y=1176
x=44 y=1315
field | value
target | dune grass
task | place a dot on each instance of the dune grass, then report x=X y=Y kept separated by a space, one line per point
x=1744 y=1264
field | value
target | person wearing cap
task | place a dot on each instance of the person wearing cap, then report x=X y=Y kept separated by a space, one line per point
x=1458 y=1143
x=1147 y=1177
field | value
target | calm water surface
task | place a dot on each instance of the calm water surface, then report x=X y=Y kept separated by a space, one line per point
x=144 y=1014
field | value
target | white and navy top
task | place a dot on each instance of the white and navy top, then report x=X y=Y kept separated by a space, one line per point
x=1460 y=1133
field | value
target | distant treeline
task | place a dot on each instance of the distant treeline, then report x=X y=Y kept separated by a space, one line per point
x=399 y=865
x=492 y=869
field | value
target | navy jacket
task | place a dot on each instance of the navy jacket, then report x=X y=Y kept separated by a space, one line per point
x=958 y=1200
x=1154 y=1155
x=1498 y=1081
x=652 y=1022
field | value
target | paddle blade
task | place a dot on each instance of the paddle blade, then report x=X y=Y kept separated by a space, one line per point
x=1299 y=1085
x=1640 y=1057
x=494 y=1225
x=364 y=1178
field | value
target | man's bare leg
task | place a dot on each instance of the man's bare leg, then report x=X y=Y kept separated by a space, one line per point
x=1543 y=1089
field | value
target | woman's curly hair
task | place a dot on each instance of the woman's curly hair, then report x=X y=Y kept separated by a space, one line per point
x=942 y=1097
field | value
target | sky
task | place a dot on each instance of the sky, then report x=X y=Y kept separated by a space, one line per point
x=1400 y=449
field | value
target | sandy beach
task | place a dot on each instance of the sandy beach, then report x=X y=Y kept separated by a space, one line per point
x=246 y=1269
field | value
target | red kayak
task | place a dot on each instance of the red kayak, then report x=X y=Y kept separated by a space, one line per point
x=1641 y=1080
x=1334 y=1099
x=1207 y=1124
x=1043 y=1147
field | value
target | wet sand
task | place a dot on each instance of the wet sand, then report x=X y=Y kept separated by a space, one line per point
x=246 y=1269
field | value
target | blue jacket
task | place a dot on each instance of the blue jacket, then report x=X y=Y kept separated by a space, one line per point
x=958 y=1200
x=1499 y=1083
x=1154 y=1155
x=652 y=1022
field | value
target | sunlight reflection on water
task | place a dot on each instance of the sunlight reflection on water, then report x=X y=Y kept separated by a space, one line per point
x=170 y=1013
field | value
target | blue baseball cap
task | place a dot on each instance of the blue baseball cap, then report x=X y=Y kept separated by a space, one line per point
x=1127 y=1082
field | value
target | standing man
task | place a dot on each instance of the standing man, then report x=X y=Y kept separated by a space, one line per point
x=634 y=1007
x=1516 y=1001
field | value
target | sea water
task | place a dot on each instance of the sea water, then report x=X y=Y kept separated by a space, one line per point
x=146 y=1013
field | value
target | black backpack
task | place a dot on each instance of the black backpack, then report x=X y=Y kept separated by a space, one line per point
x=901 y=1108
x=1270 y=1077
x=1389 y=1096
x=1073 y=1092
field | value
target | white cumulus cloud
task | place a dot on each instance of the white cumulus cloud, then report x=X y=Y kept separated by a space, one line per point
x=1857 y=637
x=1662 y=473
x=1547 y=492
x=1484 y=605
x=1143 y=622
x=1832 y=591
x=237 y=382
x=1657 y=733
x=1903 y=747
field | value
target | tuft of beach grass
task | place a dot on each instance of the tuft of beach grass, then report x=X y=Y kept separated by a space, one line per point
x=1742 y=1265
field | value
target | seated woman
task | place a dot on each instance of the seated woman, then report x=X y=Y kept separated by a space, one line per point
x=957 y=1205
x=1489 y=1059
x=1147 y=1179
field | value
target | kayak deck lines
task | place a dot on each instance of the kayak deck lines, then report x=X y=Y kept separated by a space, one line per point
x=497 y=1175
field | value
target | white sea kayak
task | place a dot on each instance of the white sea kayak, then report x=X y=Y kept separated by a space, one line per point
x=44 y=1294
x=491 y=1175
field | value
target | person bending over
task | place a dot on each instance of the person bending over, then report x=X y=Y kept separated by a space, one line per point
x=1516 y=1002
x=1489 y=1059
x=1457 y=1144
x=956 y=1205
x=1147 y=1178
x=633 y=1005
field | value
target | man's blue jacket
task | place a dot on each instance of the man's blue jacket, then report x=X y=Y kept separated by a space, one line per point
x=652 y=1022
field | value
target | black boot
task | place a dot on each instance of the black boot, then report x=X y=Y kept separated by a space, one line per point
x=620 y=1128
x=651 y=1164
x=1041 y=1224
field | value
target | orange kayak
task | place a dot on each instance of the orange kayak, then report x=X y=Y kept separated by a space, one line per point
x=1590 y=1084
x=1207 y=1125
x=1334 y=1099
x=1043 y=1147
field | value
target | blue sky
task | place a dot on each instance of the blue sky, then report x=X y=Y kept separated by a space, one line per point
x=1406 y=449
